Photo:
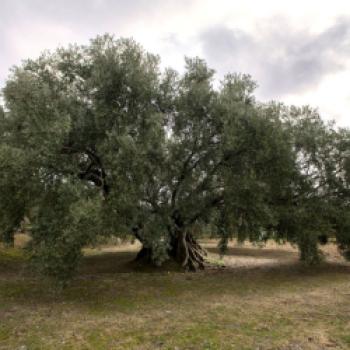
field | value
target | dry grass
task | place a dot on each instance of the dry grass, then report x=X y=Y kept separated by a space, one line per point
x=262 y=299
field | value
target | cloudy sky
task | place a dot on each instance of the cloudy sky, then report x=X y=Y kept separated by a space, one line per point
x=299 y=52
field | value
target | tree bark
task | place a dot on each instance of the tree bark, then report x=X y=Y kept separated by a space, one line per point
x=184 y=250
x=187 y=252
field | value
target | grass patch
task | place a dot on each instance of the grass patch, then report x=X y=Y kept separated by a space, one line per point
x=112 y=304
x=5 y=333
x=12 y=255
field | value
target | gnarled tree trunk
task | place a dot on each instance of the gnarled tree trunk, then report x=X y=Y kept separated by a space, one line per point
x=184 y=249
x=187 y=252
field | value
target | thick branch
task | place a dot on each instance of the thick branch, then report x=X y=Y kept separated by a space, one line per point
x=182 y=176
x=95 y=171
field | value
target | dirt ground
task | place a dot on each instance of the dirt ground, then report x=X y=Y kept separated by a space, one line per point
x=252 y=298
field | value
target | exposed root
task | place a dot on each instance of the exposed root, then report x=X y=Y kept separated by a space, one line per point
x=189 y=254
x=185 y=251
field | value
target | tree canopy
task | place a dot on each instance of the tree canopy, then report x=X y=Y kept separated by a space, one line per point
x=97 y=140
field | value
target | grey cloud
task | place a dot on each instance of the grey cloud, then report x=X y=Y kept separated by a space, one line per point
x=282 y=60
x=83 y=19
x=90 y=16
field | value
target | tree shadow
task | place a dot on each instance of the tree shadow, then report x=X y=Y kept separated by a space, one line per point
x=121 y=262
x=109 y=280
x=256 y=252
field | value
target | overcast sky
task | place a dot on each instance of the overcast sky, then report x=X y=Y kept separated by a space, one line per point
x=298 y=51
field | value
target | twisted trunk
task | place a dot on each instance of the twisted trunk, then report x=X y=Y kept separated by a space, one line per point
x=184 y=250
x=187 y=252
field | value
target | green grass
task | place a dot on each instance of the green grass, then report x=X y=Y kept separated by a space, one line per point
x=114 y=305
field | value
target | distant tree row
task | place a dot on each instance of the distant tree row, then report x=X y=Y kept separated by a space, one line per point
x=97 y=141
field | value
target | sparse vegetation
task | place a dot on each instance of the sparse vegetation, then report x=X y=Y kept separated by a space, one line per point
x=263 y=299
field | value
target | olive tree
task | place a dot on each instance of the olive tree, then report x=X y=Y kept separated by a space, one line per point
x=97 y=140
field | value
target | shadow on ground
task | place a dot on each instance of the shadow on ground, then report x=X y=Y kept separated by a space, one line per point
x=106 y=280
x=271 y=304
x=256 y=252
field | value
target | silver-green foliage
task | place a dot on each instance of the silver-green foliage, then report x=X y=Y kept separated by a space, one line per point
x=97 y=140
